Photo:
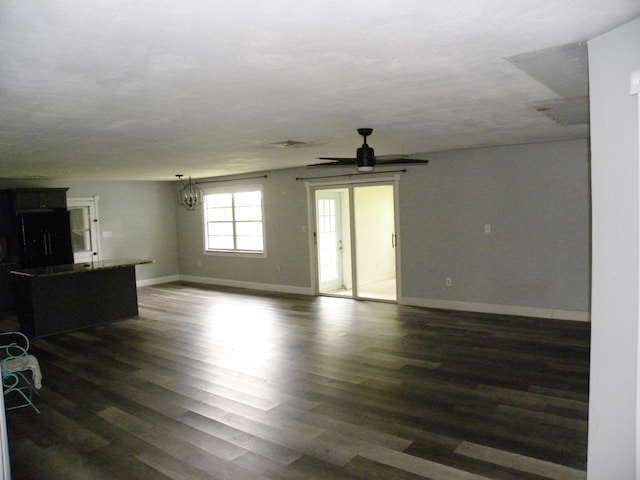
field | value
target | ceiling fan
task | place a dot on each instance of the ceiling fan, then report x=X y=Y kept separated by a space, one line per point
x=366 y=160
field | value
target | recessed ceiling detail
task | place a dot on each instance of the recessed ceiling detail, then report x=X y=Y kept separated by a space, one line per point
x=563 y=69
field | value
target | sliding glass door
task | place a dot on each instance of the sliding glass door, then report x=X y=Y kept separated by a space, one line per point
x=375 y=237
x=355 y=239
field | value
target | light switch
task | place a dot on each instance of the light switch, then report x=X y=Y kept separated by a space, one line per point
x=487 y=228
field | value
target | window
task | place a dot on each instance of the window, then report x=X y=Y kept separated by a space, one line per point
x=234 y=220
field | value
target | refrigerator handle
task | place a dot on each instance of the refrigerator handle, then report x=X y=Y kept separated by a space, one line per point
x=47 y=243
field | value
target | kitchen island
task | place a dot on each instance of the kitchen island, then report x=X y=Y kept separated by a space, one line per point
x=62 y=298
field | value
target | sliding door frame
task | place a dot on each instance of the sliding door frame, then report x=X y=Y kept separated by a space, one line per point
x=322 y=184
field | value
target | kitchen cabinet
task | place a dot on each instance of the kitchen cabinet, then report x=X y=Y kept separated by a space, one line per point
x=29 y=199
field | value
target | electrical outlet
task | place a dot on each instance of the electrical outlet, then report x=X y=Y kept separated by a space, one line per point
x=448 y=281
x=487 y=228
x=277 y=269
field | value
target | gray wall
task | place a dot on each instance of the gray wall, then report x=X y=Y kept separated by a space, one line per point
x=613 y=398
x=286 y=240
x=140 y=215
x=536 y=200
x=535 y=261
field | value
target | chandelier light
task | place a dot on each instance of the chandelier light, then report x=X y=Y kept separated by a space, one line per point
x=190 y=195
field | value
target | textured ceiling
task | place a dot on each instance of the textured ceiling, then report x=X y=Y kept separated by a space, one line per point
x=146 y=89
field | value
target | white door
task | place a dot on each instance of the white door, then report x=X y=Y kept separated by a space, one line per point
x=83 y=213
x=330 y=240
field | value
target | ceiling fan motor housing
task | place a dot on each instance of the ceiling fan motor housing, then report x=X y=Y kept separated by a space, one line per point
x=365 y=158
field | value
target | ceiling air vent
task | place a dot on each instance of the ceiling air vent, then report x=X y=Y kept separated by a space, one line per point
x=287 y=143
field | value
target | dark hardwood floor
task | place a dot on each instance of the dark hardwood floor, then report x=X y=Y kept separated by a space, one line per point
x=217 y=383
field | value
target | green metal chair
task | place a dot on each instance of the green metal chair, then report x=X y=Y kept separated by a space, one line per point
x=21 y=373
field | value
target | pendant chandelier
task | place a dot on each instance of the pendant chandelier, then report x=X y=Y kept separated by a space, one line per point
x=190 y=195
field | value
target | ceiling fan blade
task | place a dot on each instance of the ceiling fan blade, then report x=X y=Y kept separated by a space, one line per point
x=386 y=158
x=401 y=161
x=334 y=162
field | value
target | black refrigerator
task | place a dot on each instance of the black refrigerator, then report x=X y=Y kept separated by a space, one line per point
x=45 y=238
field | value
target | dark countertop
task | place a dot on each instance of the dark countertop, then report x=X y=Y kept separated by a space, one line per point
x=74 y=268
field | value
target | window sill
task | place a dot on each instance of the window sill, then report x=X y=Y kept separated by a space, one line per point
x=235 y=253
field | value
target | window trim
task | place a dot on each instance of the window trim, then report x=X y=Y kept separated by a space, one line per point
x=234 y=253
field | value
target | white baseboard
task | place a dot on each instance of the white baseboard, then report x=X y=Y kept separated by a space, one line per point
x=156 y=281
x=574 y=315
x=270 y=287
x=513 y=310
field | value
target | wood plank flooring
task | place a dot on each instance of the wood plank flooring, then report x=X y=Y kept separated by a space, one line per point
x=228 y=384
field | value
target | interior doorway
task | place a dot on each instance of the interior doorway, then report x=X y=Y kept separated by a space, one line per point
x=355 y=240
